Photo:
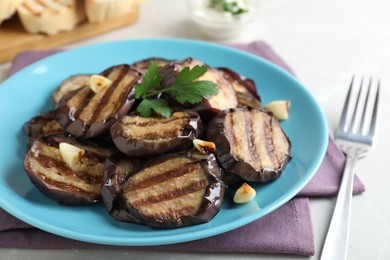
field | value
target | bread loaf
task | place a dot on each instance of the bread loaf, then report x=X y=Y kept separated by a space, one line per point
x=8 y=8
x=102 y=10
x=50 y=16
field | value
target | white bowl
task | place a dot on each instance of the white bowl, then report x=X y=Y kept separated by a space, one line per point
x=219 y=25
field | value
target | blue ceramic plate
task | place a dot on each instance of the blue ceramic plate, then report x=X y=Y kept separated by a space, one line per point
x=27 y=94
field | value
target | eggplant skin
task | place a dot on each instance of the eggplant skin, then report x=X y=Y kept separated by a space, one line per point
x=55 y=179
x=117 y=170
x=41 y=125
x=149 y=210
x=152 y=137
x=233 y=163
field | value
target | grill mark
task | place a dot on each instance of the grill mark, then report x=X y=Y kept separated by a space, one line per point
x=83 y=104
x=119 y=94
x=78 y=101
x=30 y=9
x=250 y=136
x=42 y=3
x=88 y=178
x=230 y=133
x=152 y=122
x=64 y=186
x=172 y=215
x=238 y=147
x=279 y=158
x=269 y=145
x=48 y=7
x=166 y=196
x=184 y=169
x=159 y=135
x=104 y=100
x=48 y=162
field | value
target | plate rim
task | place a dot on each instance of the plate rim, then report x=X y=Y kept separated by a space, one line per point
x=197 y=234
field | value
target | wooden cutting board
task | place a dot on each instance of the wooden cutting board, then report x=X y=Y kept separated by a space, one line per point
x=14 y=39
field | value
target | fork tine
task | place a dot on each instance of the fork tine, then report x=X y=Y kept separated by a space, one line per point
x=375 y=112
x=363 y=121
x=343 y=118
x=353 y=125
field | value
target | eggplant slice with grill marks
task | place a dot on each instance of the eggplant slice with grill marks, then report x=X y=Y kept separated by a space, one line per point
x=140 y=136
x=250 y=143
x=41 y=125
x=245 y=88
x=226 y=97
x=78 y=183
x=117 y=170
x=143 y=65
x=70 y=84
x=84 y=113
x=175 y=190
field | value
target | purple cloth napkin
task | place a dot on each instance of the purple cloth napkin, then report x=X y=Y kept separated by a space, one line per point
x=288 y=230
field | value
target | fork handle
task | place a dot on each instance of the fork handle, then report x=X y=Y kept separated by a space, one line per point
x=336 y=242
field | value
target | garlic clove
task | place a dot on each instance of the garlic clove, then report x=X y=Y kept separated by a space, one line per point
x=71 y=154
x=98 y=83
x=279 y=108
x=244 y=194
x=204 y=147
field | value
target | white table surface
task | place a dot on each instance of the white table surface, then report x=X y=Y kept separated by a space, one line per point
x=325 y=42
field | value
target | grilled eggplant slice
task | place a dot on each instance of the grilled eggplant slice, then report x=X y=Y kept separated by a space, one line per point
x=245 y=88
x=70 y=84
x=142 y=66
x=84 y=113
x=140 y=136
x=45 y=124
x=175 y=190
x=250 y=143
x=226 y=97
x=78 y=183
x=117 y=170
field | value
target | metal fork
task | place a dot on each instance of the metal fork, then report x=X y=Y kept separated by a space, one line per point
x=355 y=136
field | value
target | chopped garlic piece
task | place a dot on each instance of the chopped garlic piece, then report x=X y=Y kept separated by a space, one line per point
x=71 y=154
x=99 y=83
x=279 y=108
x=244 y=194
x=204 y=147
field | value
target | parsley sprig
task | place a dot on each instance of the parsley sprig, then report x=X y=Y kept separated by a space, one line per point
x=185 y=89
x=234 y=7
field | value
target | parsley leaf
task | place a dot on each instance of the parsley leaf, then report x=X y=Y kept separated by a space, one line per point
x=159 y=106
x=233 y=7
x=188 y=75
x=186 y=89
x=152 y=79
